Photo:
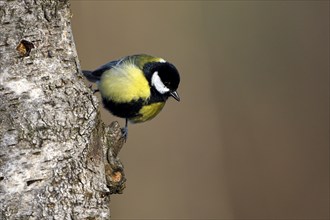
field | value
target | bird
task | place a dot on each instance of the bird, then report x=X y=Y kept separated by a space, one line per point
x=135 y=87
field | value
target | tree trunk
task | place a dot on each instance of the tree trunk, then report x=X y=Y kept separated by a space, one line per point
x=57 y=159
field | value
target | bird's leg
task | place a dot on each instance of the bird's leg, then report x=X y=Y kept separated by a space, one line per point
x=124 y=130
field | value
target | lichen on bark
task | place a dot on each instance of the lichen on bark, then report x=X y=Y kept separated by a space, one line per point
x=54 y=148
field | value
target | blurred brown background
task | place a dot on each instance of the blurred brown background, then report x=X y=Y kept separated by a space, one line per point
x=250 y=138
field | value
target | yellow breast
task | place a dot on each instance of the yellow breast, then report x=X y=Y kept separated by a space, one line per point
x=148 y=112
x=124 y=84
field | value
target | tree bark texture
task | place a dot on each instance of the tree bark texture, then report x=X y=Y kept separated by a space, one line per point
x=57 y=159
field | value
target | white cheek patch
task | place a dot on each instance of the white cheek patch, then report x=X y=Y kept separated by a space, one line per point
x=158 y=84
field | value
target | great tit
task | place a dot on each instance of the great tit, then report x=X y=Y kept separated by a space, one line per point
x=136 y=87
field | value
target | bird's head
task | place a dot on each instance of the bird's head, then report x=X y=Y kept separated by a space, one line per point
x=164 y=78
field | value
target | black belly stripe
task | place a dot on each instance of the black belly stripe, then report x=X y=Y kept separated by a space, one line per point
x=131 y=109
x=123 y=110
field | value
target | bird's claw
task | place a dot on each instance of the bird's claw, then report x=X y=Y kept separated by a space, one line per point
x=124 y=132
x=94 y=90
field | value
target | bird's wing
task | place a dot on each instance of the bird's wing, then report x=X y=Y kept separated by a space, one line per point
x=95 y=75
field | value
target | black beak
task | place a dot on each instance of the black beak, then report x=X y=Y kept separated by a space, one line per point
x=175 y=95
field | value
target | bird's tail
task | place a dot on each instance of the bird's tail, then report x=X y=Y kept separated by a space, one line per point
x=91 y=76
